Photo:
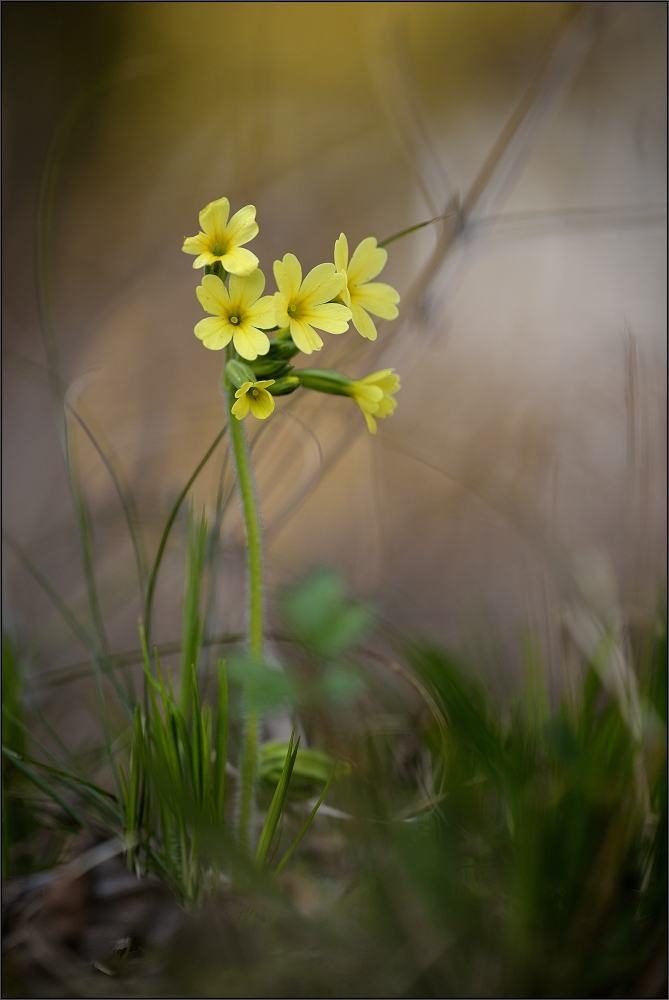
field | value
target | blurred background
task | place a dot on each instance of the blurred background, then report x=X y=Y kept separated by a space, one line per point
x=525 y=466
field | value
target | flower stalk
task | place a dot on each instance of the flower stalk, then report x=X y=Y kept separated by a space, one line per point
x=251 y=513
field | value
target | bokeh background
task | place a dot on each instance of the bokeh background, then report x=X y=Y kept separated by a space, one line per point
x=525 y=463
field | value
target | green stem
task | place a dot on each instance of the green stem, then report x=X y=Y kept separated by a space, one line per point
x=244 y=476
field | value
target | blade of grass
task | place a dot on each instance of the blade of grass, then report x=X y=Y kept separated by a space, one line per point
x=291 y=850
x=278 y=802
x=221 y=744
x=191 y=629
x=97 y=797
x=148 y=608
x=68 y=617
x=125 y=496
x=44 y=787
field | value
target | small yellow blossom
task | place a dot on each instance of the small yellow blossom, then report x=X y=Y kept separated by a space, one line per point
x=238 y=314
x=303 y=305
x=223 y=240
x=362 y=295
x=254 y=396
x=373 y=395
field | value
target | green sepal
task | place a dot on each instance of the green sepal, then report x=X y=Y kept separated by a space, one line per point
x=323 y=380
x=282 y=347
x=270 y=367
x=284 y=386
x=217 y=269
x=239 y=373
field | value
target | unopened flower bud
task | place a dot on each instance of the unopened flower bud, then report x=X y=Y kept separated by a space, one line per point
x=238 y=373
x=284 y=386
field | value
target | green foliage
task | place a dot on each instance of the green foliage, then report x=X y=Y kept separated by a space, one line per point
x=311 y=769
x=546 y=858
x=174 y=795
x=323 y=618
x=192 y=625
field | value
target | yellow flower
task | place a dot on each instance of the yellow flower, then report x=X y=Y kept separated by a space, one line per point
x=254 y=396
x=373 y=395
x=302 y=305
x=362 y=295
x=238 y=314
x=223 y=240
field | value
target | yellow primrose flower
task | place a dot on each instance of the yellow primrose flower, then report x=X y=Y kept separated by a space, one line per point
x=238 y=314
x=302 y=305
x=373 y=395
x=223 y=240
x=362 y=295
x=254 y=396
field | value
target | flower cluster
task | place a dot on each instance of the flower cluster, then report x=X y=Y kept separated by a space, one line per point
x=267 y=331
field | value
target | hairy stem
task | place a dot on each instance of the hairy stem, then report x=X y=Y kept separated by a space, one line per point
x=249 y=761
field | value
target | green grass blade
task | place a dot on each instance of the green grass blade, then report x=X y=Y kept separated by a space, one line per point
x=125 y=496
x=221 y=743
x=278 y=802
x=191 y=630
x=68 y=617
x=291 y=850
x=44 y=787
x=413 y=229
x=148 y=608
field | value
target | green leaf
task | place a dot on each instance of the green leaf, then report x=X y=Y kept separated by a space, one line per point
x=264 y=687
x=278 y=802
x=291 y=850
x=322 y=617
x=221 y=744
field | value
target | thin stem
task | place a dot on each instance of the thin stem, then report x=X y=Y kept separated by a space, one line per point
x=244 y=476
x=253 y=531
x=148 y=610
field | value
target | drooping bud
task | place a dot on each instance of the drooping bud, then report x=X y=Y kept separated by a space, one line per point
x=323 y=380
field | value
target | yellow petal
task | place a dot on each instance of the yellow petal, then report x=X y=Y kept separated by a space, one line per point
x=214 y=218
x=242 y=226
x=288 y=275
x=304 y=336
x=240 y=261
x=371 y=422
x=262 y=404
x=386 y=380
x=386 y=407
x=245 y=290
x=242 y=389
x=329 y=316
x=213 y=295
x=205 y=258
x=377 y=298
x=263 y=313
x=195 y=244
x=363 y=322
x=241 y=407
x=264 y=383
x=250 y=342
x=214 y=333
x=368 y=396
x=321 y=284
x=367 y=261
x=341 y=253
x=281 y=309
